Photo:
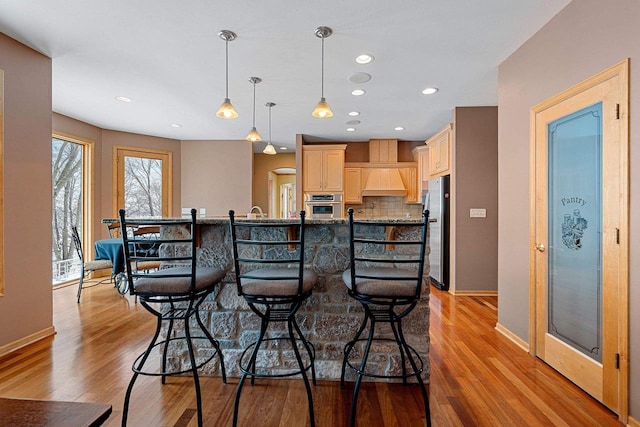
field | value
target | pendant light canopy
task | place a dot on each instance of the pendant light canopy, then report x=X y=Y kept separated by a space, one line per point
x=322 y=110
x=253 y=135
x=226 y=110
x=269 y=149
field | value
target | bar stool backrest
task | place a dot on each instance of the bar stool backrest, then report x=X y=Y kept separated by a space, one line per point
x=398 y=258
x=263 y=244
x=174 y=248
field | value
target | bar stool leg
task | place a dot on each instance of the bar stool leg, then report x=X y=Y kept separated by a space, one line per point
x=290 y=323
x=349 y=347
x=307 y=346
x=425 y=396
x=194 y=367
x=401 y=344
x=363 y=364
x=127 y=396
x=213 y=341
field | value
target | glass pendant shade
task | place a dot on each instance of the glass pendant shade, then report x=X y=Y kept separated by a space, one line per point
x=253 y=135
x=226 y=110
x=322 y=110
x=269 y=149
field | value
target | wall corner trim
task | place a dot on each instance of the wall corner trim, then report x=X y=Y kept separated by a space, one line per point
x=513 y=337
x=29 y=339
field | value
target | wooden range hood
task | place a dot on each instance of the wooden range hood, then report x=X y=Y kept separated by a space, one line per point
x=380 y=180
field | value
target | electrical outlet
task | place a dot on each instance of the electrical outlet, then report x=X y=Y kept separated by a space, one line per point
x=477 y=213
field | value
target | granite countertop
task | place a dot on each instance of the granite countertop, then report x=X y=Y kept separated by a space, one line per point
x=218 y=220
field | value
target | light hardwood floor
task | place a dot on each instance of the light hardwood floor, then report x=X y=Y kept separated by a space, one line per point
x=478 y=377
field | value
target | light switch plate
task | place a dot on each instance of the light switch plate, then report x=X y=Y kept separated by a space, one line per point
x=477 y=213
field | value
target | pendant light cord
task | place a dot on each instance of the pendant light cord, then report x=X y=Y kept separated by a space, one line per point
x=270 y=124
x=254 y=104
x=226 y=90
x=322 y=71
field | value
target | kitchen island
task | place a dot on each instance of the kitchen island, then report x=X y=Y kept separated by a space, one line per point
x=329 y=317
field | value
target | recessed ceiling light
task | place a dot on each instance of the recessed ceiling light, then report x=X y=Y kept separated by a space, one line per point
x=364 y=58
x=123 y=98
x=358 y=92
x=354 y=113
x=353 y=122
x=398 y=128
x=430 y=90
x=175 y=125
x=283 y=148
x=351 y=129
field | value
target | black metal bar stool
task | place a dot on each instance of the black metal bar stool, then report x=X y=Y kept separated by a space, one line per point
x=386 y=278
x=173 y=293
x=270 y=275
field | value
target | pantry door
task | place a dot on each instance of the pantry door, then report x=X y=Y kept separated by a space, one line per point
x=579 y=236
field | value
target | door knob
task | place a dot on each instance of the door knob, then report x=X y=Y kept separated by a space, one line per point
x=540 y=247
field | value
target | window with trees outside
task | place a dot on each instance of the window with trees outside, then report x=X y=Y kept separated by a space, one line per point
x=69 y=178
x=143 y=179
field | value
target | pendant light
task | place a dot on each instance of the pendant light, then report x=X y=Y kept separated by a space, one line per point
x=226 y=110
x=322 y=110
x=253 y=135
x=269 y=149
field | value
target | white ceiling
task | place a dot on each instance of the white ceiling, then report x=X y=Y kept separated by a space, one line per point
x=167 y=57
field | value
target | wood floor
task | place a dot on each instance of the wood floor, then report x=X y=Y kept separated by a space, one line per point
x=478 y=377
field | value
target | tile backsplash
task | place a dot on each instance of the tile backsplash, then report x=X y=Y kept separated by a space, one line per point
x=385 y=207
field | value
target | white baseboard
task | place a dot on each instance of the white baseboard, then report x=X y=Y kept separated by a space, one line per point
x=513 y=337
x=29 y=339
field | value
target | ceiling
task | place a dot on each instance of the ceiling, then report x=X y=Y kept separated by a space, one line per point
x=167 y=57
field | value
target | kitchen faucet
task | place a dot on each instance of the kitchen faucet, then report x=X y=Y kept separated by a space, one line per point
x=259 y=210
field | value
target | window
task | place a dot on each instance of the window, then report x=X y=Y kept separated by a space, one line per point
x=143 y=178
x=70 y=186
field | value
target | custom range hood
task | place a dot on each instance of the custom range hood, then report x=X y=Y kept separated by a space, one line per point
x=383 y=182
x=380 y=180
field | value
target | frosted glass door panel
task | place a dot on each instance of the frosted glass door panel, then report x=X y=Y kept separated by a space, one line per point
x=575 y=222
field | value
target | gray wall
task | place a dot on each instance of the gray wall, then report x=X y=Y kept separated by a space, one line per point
x=585 y=38
x=475 y=154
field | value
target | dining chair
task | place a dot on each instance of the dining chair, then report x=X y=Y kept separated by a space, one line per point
x=386 y=278
x=272 y=278
x=174 y=294
x=89 y=267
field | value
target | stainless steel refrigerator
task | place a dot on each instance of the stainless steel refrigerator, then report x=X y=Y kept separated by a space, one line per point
x=437 y=202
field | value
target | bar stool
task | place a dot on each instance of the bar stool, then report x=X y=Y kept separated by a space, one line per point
x=385 y=276
x=270 y=275
x=173 y=293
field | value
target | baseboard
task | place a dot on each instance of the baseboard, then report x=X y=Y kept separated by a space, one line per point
x=513 y=337
x=631 y=422
x=29 y=339
x=473 y=293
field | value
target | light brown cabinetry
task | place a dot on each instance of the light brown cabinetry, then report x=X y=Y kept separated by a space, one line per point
x=421 y=157
x=352 y=185
x=383 y=150
x=410 y=181
x=440 y=152
x=322 y=168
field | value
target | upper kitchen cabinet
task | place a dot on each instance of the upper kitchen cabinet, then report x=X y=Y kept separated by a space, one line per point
x=383 y=150
x=353 y=185
x=440 y=152
x=323 y=168
x=421 y=157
